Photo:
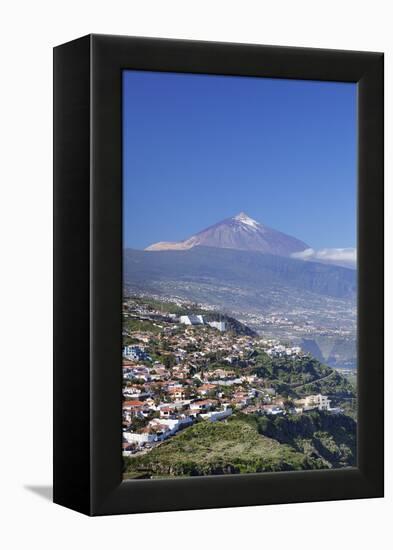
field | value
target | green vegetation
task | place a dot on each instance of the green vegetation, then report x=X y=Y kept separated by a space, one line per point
x=334 y=385
x=348 y=406
x=352 y=378
x=301 y=376
x=318 y=434
x=219 y=448
x=158 y=305
x=140 y=325
x=292 y=371
x=252 y=443
x=138 y=422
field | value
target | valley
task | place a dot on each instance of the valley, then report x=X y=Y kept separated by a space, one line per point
x=203 y=394
x=309 y=304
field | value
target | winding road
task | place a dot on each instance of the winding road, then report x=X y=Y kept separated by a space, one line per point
x=312 y=381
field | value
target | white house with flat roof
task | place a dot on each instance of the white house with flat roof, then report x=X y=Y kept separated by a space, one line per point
x=319 y=401
x=140 y=438
x=191 y=319
x=213 y=416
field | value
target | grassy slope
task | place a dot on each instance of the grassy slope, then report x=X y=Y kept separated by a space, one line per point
x=332 y=438
x=219 y=448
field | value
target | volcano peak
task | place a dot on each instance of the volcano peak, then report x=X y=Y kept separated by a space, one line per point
x=241 y=232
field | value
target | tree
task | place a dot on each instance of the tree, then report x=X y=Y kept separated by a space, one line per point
x=288 y=403
x=169 y=360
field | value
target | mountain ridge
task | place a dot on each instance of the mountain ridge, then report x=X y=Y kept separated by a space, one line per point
x=249 y=269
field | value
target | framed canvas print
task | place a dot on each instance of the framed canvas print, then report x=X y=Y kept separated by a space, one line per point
x=218 y=275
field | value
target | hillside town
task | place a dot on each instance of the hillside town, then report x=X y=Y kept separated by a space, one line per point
x=182 y=368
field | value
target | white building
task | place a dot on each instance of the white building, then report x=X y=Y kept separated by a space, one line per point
x=230 y=382
x=135 y=353
x=140 y=438
x=202 y=405
x=213 y=416
x=199 y=320
x=273 y=410
x=320 y=402
x=191 y=319
x=170 y=426
x=219 y=325
x=157 y=430
x=296 y=350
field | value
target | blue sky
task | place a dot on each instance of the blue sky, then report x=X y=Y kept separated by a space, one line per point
x=201 y=148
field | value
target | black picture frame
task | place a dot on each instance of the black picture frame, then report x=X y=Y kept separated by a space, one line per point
x=88 y=274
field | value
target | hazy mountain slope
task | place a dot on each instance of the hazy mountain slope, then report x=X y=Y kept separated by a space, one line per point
x=220 y=267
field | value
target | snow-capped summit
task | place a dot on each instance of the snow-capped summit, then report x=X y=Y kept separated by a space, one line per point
x=242 y=217
x=241 y=232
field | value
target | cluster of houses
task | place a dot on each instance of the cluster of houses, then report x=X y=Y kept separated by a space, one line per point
x=278 y=350
x=192 y=374
x=169 y=420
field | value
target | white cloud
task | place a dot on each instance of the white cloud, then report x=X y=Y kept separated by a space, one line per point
x=339 y=256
